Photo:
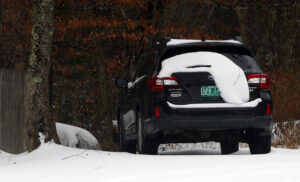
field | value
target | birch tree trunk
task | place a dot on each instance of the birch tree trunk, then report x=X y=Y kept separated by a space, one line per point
x=38 y=115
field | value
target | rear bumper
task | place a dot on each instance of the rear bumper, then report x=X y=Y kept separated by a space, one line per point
x=207 y=119
x=211 y=123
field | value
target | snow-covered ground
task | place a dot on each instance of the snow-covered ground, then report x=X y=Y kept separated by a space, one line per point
x=56 y=163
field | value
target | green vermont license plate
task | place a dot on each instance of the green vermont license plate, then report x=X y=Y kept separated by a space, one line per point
x=210 y=91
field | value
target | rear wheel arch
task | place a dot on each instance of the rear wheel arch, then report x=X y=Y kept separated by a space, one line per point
x=138 y=110
x=119 y=120
x=136 y=115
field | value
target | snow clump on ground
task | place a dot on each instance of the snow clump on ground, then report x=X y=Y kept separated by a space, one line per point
x=72 y=136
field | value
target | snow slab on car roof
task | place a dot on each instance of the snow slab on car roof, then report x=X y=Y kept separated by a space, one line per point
x=229 y=78
x=186 y=41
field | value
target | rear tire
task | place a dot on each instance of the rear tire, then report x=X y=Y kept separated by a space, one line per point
x=260 y=142
x=145 y=145
x=125 y=146
x=229 y=146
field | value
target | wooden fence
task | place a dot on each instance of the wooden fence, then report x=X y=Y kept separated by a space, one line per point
x=12 y=126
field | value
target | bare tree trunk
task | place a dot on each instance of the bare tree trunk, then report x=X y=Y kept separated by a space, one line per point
x=106 y=110
x=38 y=115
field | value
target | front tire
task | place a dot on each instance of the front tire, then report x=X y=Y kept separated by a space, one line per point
x=125 y=146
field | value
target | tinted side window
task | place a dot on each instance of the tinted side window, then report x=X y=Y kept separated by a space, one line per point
x=149 y=63
x=146 y=65
x=138 y=70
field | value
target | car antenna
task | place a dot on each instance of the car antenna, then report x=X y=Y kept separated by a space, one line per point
x=203 y=39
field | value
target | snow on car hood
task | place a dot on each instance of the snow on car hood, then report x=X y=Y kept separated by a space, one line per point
x=229 y=78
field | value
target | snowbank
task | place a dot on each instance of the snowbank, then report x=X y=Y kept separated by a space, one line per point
x=286 y=134
x=229 y=78
x=72 y=136
x=57 y=163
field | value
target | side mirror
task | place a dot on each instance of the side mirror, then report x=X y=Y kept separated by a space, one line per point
x=121 y=83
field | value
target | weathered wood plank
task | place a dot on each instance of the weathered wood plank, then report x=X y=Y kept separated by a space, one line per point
x=1 y=119
x=12 y=128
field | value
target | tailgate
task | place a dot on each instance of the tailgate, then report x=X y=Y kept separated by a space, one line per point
x=194 y=87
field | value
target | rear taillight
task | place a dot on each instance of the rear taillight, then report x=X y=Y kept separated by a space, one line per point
x=268 y=110
x=157 y=114
x=262 y=80
x=157 y=84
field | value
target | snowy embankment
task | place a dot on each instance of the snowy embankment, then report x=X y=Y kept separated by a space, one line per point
x=56 y=163
x=286 y=134
x=72 y=136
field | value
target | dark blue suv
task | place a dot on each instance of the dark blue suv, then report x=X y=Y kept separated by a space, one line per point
x=154 y=110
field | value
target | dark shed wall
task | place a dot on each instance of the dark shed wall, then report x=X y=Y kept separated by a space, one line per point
x=12 y=125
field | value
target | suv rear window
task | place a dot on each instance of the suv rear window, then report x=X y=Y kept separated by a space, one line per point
x=241 y=56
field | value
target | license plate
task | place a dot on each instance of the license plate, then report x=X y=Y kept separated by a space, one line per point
x=210 y=91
